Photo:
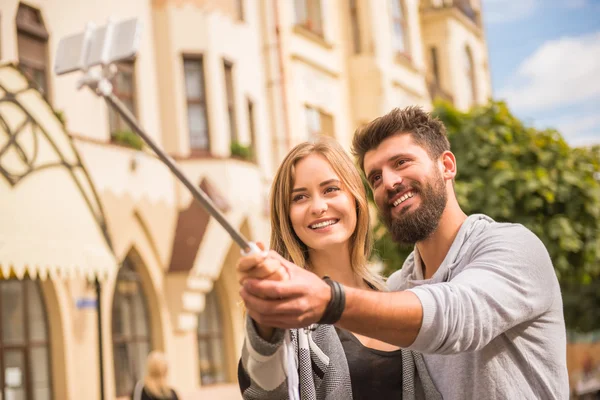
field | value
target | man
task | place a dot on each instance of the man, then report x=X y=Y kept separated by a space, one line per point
x=478 y=298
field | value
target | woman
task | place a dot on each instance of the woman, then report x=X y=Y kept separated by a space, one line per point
x=154 y=386
x=320 y=219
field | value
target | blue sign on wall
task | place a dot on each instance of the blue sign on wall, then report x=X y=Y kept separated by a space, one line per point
x=88 y=302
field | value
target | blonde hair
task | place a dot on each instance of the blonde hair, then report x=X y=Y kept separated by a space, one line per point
x=283 y=238
x=155 y=380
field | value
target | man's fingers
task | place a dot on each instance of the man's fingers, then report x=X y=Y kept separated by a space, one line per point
x=274 y=289
x=266 y=306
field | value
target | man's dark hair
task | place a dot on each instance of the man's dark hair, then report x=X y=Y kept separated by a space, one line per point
x=427 y=131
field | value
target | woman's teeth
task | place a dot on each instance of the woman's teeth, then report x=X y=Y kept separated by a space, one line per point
x=403 y=198
x=323 y=224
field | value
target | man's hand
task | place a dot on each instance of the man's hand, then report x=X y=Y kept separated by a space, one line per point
x=294 y=303
x=301 y=300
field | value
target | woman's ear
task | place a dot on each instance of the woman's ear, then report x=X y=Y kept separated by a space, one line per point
x=448 y=164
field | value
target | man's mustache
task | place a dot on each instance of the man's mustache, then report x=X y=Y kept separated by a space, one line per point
x=400 y=188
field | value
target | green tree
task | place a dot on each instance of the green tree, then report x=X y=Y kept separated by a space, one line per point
x=516 y=173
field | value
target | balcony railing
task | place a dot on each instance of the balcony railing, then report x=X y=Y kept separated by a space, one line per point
x=464 y=6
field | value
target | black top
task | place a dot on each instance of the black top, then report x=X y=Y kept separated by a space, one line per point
x=147 y=396
x=374 y=374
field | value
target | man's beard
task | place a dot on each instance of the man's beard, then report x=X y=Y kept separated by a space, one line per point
x=413 y=226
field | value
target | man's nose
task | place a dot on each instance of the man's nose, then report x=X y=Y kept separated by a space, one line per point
x=390 y=180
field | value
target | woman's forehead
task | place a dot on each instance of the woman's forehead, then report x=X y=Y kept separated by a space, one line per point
x=313 y=168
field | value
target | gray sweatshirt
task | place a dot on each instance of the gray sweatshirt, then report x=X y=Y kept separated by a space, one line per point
x=493 y=325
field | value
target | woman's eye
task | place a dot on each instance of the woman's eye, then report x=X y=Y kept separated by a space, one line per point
x=298 y=197
x=331 y=189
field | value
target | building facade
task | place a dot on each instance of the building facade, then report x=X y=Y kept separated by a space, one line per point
x=104 y=255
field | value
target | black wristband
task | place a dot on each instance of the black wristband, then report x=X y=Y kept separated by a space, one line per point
x=337 y=303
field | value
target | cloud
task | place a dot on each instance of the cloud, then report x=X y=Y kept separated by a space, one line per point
x=500 y=11
x=577 y=128
x=503 y=11
x=577 y=3
x=559 y=73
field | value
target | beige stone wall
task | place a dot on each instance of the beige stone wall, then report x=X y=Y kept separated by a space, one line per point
x=451 y=32
x=188 y=29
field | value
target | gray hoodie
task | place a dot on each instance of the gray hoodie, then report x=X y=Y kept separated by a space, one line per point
x=493 y=325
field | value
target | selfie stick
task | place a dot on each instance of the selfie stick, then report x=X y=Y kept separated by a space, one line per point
x=105 y=46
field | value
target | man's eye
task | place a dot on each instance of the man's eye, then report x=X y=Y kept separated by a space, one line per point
x=375 y=179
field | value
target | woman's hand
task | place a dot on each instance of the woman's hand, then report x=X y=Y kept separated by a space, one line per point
x=261 y=266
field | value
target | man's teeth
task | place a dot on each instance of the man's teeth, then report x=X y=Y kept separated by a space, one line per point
x=403 y=198
x=323 y=224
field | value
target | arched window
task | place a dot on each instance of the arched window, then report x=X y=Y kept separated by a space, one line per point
x=24 y=351
x=211 y=346
x=32 y=44
x=471 y=89
x=130 y=329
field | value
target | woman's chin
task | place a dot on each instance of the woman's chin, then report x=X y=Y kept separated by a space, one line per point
x=328 y=244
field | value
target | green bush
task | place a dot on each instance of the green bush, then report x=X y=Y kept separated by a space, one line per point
x=241 y=151
x=128 y=138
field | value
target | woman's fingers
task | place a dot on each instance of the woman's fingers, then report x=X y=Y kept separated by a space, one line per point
x=268 y=269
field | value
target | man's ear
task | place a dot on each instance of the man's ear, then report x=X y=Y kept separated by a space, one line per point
x=448 y=164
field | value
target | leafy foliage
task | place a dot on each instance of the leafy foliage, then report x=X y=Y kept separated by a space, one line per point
x=520 y=174
x=241 y=151
x=128 y=138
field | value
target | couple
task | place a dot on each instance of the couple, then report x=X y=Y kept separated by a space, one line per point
x=474 y=313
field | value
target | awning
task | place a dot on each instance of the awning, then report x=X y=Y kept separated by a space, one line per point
x=51 y=221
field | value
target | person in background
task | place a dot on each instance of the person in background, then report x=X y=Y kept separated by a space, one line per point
x=154 y=386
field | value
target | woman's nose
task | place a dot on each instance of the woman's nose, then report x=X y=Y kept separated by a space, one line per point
x=319 y=206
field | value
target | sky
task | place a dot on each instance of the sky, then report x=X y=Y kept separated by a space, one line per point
x=545 y=63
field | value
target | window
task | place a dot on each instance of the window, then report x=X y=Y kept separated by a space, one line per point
x=467 y=9
x=252 y=129
x=130 y=329
x=193 y=68
x=399 y=39
x=471 y=88
x=355 y=26
x=24 y=349
x=124 y=89
x=318 y=123
x=308 y=15
x=211 y=346
x=239 y=6
x=435 y=68
x=32 y=45
x=228 y=69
